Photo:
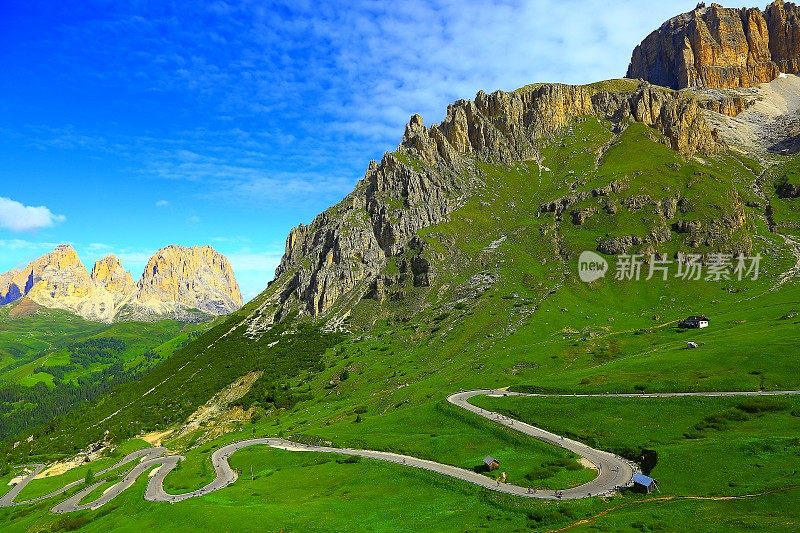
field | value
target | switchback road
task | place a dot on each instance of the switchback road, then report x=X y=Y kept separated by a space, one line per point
x=613 y=472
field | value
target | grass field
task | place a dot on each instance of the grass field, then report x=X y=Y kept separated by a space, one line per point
x=287 y=488
x=48 y=334
x=53 y=361
x=512 y=313
x=47 y=484
x=705 y=446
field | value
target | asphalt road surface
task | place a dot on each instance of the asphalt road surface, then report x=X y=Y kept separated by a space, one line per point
x=613 y=472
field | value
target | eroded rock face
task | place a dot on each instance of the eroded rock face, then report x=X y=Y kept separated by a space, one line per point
x=198 y=277
x=190 y=279
x=109 y=274
x=342 y=253
x=56 y=280
x=506 y=127
x=9 y=289
x=721 y=102
x=717 y=47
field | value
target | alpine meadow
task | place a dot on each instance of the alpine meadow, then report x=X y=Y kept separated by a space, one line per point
x=565 y=307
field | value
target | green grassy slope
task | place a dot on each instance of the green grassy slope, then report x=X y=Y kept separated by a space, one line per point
x=784 y=210
x=506 y=309
x=705 y=446
x=30 y=343
x=184 y=381
x=54 y=361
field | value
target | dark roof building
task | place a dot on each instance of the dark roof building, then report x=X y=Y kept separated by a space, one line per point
x=694 y=322
x=491 y=463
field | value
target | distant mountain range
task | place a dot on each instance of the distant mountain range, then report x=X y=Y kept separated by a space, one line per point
x=187 y=284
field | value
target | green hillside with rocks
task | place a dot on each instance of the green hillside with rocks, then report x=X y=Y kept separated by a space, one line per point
x=454 y=265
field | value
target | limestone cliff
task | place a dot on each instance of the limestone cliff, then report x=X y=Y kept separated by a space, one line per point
x=9 y=288
x=341 y=255
x=181 y=283
x=195 y=278
x=109 y=274
x=717 y=47
x=56 y=280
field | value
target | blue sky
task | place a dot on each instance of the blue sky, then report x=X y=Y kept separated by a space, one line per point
x=127 y=126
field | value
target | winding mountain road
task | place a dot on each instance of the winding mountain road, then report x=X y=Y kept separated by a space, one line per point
x=613 y=472
x=8 y=498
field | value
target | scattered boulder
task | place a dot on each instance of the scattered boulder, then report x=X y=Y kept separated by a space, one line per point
x=687 y=226
x=618 y=245
x=579 y=216
x=787 y=190
x=634 y=203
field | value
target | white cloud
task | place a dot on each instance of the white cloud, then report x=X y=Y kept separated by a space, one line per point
x=16 y=216
x=300 y=96
x=20 y=244
x=16 y=253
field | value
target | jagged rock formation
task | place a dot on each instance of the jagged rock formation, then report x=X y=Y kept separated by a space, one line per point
x=717 y=47
x=9 y=287
x=505 y=127
x=196 y=278
x=56 y=280
x=343 y=254
x=564 y=203
x=344 y=250
x=724 y=103
x=182 y=283
x=109 y=274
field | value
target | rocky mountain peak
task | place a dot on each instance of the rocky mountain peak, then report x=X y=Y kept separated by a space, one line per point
x=63 y=256
x=64 y=252
x=109 y=273
x=721 y=48
x=57 y=274
x=198 y=277
x=181 y=283
x=341 y=256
